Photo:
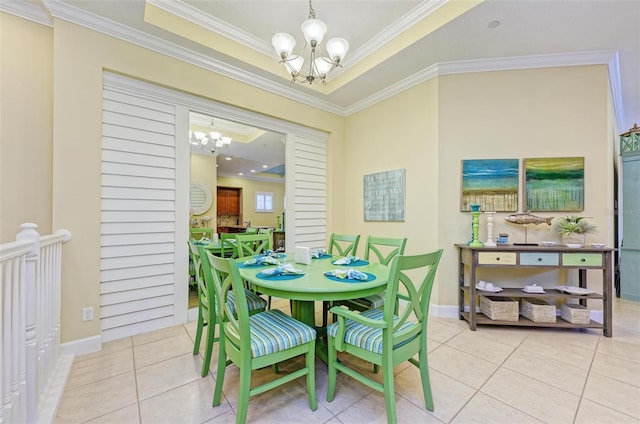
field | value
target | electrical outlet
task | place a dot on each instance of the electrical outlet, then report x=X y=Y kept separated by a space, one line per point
x=87 y=313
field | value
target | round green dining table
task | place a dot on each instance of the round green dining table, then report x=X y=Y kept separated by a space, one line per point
x=313 y=286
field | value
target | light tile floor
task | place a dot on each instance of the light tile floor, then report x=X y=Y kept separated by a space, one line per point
x=492 y=375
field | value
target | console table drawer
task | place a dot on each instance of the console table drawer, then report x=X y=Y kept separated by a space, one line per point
x=582 y=259
x=496 y=258
x=542 y=259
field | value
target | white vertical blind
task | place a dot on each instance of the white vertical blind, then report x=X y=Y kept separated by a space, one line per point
x=138 y=214
x=307 y=209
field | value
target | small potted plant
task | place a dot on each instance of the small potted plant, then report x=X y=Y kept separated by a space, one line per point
x=574 y=229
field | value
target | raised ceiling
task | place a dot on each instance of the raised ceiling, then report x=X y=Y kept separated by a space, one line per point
x=394 y=44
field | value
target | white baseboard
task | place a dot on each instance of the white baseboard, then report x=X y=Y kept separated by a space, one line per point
x=443 y=311
x=192 y=315
x=82 y=346
x=49 y=406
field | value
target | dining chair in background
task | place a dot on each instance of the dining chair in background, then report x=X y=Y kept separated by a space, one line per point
x=383 y=250
x=228 y=248
x=342 y=245
x=251 y=245
x=198 y=233
x=257 y=341
x=207 y=308
x=384 y=338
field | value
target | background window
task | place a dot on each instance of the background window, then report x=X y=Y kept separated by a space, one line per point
x=264 y=202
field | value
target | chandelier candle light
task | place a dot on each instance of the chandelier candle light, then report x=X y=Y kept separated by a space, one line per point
x=490 y=242
x=316 y=67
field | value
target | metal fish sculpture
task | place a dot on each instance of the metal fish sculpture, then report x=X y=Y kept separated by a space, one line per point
x=527 y=218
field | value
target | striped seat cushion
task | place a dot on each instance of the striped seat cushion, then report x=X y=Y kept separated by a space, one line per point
x=254 y=302
x=370 y=302
x=364 y=336
x=274 y=331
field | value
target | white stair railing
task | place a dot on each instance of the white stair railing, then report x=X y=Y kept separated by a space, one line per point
x=30 y=277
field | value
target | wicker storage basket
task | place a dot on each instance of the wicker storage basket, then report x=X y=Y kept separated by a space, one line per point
x=499 y=308
x=574 y=238
x=538 y=310
x=575 y=314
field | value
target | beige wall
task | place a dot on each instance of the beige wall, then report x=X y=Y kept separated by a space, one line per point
x=429 y=129
x=204 y=171
x=249 y=189
x=553 y=112
x=26 y=125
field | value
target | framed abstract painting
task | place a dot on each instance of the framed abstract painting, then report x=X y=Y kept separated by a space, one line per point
x=490 y=183
x=384 y=196
x=554 y=184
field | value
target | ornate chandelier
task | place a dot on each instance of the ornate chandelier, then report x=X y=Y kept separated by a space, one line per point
x=212 y=141
x=309 y=65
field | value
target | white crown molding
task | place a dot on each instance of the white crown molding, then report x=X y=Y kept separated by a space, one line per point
x=26 y=10
x=418 y=13
x=610 y=58
x=214 y=24
x=599 y=57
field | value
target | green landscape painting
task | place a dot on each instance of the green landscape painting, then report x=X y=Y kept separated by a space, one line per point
x=490 y=183
x=554 y=184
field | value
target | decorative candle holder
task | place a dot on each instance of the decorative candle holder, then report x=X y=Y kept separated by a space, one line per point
x=475 y=226
x=490 y=242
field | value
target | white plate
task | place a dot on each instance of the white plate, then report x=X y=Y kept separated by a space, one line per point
x=598 y=245
x=495 y=289
x=549 y=243
x=574 y=290
x=574 y=246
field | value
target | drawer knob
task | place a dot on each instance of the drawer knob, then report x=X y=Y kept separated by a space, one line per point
x=539 y=259
x=583 y=260
x=498 y=258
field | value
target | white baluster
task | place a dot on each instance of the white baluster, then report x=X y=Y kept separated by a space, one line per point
x=29 y=339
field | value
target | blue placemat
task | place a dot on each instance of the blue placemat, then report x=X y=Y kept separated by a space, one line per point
x=325 y=256
x=370 y=278
x=279 y=277
x=243 y=265
x=361 y=262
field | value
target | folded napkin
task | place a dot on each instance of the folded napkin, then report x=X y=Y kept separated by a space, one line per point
x=350 y=274
x=318 y=253
x=262 y=260
x=203 y=241
x=271 y=253
x=347 y=260
x=286 y=269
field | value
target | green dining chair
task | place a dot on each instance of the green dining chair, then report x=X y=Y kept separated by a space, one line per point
x=228 y=248
x=251 y=245
x=251 y=230
x=198 y=233
x=257 y=341
x=342 y=245
x=384 y=338
x=207 y=308
x=383 y=250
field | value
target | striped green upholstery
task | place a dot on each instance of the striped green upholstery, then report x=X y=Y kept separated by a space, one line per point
x=254 y=302
x=370 y=302
x=364 y=336
x=273 y=331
